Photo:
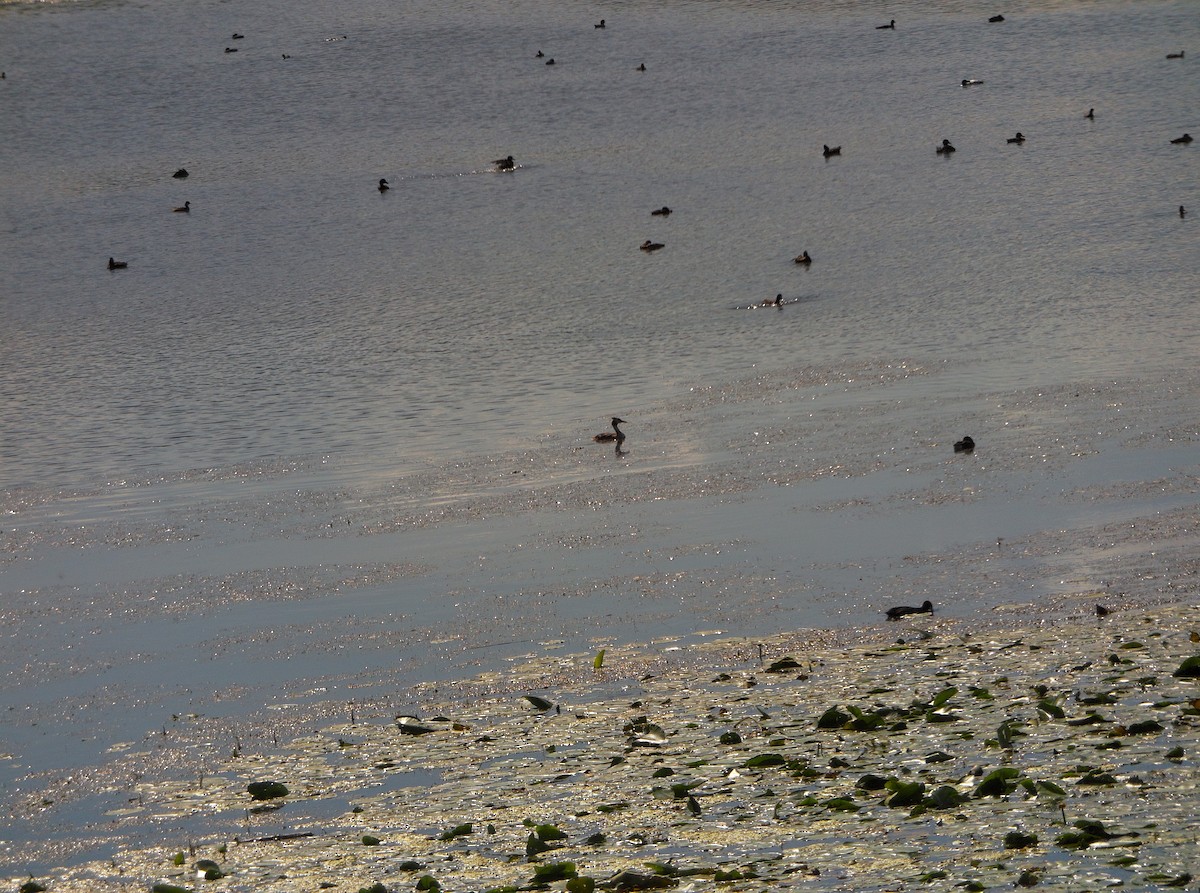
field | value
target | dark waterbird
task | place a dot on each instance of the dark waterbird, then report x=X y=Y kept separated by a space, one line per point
x=890 y=26
x=996 y=18
x=180 y=174
x=1182 y=211
x=965 y=445
x=1091 y=115
x=185 y=208
x=505 y=164
x=778 y=302
x=114 y=264
x=651 y=246
x=1019 y=138
x=616 y=434
x=945 y=148
x=1182 y=140
x=383 y=185
x=1101 y=611
x=661 y=212
x=600 y=25
x=829 y=152
x=1178 y=55
x=904 y=610
x=803 y=259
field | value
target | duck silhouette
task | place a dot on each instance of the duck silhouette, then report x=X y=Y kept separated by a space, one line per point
x=599 y=25
x=185 y=208
x=505 y=164
x=996 y=18
x=1182 y=140
x=1178 y=55
x=830 y=151
x=114 y=264
x=616 y=434
x=1091 y=115
x=802 y=258
x=1019 y=138
x=966 y=445
x=890 y=26
x=778 y=302
x=383 y=185
x=660 y=212
x=904 y=610
x=945 y=148
x=651 y=246
x=180 y=174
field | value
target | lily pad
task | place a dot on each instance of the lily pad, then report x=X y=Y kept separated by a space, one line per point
x=267 y=790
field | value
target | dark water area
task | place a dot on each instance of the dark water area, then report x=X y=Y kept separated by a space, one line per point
x=319 y=443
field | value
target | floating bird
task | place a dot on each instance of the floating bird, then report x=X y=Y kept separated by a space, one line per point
x=651 y=246
x=383 y=185
x=539 y=55
x=661 y=212
x=1178 y=55
x=1182 y=140
x=642 y=67
x=237 y=36
x=505 y=164
x=286 y=56
x=1182 y=211
x=601 y=25
x=1101 y=611
x=185 y=209
x=1091 y=115
x=828 y=151
x=1019 y=138
x=230 y=50
x=890 y=26
x=116 y=264
x=971 y=82
x=904 y=610
x=966 y=445
x=996 y=18
x=180 y=174
x=549 y=61
x=802 y=258
x=778 y=302
x=945 y=148
x=616 y=434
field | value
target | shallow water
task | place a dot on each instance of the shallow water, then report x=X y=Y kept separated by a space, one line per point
x=319 y=442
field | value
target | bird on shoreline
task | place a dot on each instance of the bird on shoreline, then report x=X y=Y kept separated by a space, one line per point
x=185 y=208
x=966 y=445
x=1019 y=138
x=383 y=185
x=829 y=152
x=945 y=148
x=803 y=259
x=904 y=610
x=651 y=246
x=114 y=264
x=616 y=434
x=890 y=26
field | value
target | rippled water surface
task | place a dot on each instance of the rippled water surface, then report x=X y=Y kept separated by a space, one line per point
x=318 y=440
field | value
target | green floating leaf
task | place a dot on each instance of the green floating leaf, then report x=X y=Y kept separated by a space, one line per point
x=784 y=665
x=841 y=804
x=581 y=884
x=904 y=793
x=1175 y=754
x=457 y=831
x=555 y=871
x=997 y=783
x=632 y=880
x=535 y=847
x=549 y=832
x=428 y=882
x=943 y=696
x=870 y=782
x=598 y=663
x=267 y=790
x=370 y=840
x=930 y=876
x=31 y=886
x=1016 y=840
x=938 y=757
x=1097 y=777
x=374 y=888
x=1189 y=669
x=946 y=797
x=612 y=807
x=1147 y=727
x=730 y=738
x=766 y=760
x=168 y=888
x=833 y=718
x=595 y=839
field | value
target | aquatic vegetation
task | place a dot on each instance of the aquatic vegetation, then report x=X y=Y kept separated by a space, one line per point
x=267 y=790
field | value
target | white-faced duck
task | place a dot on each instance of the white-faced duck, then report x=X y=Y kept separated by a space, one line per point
x=1182 y=140
x=890 y=26
x=383 y=185
x=1178 y=55
x=802 y=258
x=1019 y=138
x=945 y=148
x=505 y=164
x=114 y=264
x=830 y=151
x=185 y=208
x=651 y=246
x=660 y=212
x=180 y=174
x=904 y=610
x=966 y=445
x=616 y=434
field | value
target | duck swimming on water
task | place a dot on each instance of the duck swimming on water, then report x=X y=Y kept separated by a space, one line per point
x=1182 y=140
x=660 y=212
x=1018 y=139
x=890 y=26
x=945 y=148
x=803 y=259
x=616 y=434
x=185 y=208
x=778 y=302
x=651 y=246
x=114 y=264
x=383 y=185
x=829 y=152
x=505 y=164
x=904 y=610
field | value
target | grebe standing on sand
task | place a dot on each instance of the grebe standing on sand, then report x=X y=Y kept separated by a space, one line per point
x=616 y=434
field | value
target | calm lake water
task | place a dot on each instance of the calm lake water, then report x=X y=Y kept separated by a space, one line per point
x=317 y=441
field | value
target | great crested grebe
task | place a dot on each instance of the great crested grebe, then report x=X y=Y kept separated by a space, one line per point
x=904 y=610
x=185 y=208
x=890 y=26
x=616 y=434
